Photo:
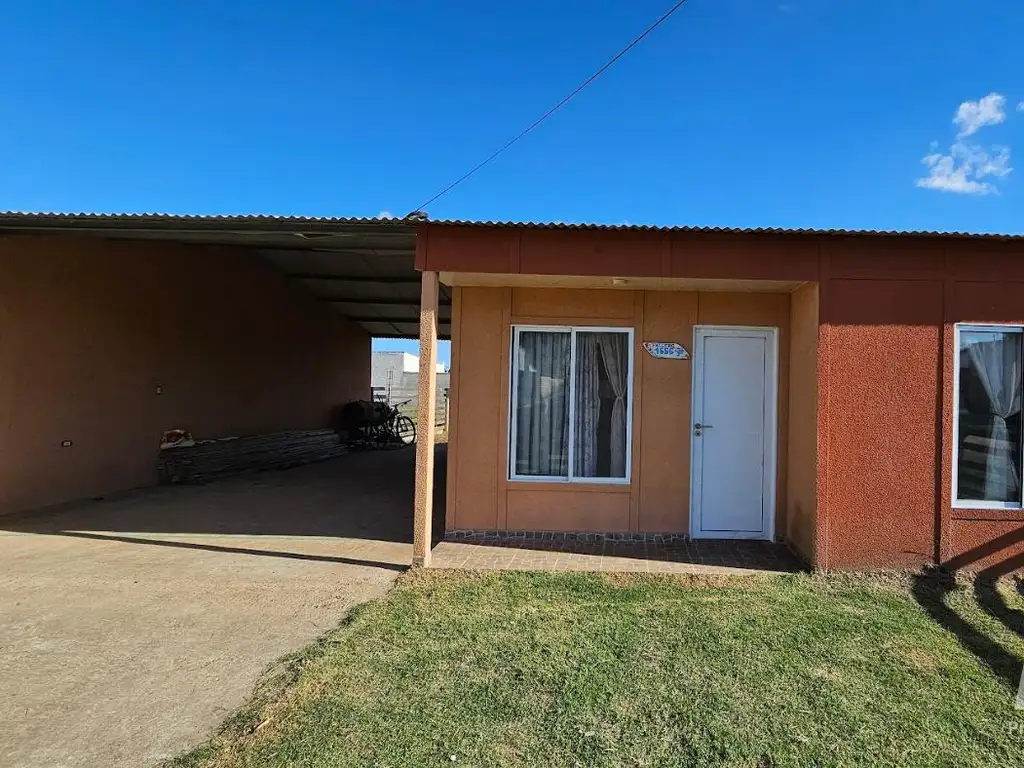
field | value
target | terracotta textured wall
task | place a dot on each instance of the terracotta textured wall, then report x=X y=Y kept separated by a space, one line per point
x=89 y=329
x=802 y=478
x=882 y=355
x=657 y=499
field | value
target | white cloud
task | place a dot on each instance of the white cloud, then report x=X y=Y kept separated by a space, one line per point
x=972 y=116
x=385 y=215
x=967 y=169
x=970 y=169
x=1020 y=106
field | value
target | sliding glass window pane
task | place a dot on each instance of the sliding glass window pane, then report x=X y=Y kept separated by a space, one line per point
x=541 y=404
x=601 y=404
x=989 y=413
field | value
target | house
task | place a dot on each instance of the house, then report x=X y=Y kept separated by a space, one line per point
x=856 y=395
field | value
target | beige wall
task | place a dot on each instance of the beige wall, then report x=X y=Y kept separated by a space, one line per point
x=89 y=329
x=657 y=499
x=803 y=420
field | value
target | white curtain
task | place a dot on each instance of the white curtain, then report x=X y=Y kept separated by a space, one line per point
x=615 y=354
x=588 y=404
x=998 y=366
x=542 y=413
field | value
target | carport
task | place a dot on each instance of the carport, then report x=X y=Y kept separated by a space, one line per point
x=362 y=270
x=156 y=608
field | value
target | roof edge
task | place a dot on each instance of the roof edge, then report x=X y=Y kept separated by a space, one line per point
x=271 y=223
x=799 y=231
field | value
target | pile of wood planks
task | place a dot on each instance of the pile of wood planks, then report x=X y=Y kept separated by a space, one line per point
x=209 y=459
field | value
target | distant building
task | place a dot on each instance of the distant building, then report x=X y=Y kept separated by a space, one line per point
x=395 y=376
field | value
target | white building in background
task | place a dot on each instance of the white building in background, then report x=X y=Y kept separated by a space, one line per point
x=395 y=375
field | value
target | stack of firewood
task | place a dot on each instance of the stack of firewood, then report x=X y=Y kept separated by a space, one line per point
x=199 y=461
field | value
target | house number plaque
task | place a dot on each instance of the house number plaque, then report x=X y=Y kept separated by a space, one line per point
x=666 y=350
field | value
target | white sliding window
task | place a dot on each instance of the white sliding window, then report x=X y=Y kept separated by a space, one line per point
x=570 y=418
x=987 y=421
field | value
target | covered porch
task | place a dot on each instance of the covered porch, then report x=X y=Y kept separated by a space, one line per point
x=706 y=457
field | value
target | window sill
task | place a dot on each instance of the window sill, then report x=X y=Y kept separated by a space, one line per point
x=994 y=505
x=608 y=486
x=983 y=514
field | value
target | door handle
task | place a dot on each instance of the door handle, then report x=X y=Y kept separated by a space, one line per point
x=703 y=426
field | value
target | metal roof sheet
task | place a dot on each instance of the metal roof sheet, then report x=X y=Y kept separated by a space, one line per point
x=593 y=227
x=49 y=219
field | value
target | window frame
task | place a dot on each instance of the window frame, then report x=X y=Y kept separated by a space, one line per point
x=513 y=388
x=958 y=503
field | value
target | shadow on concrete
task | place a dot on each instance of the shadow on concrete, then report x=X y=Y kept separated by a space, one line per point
x=234 y=550
x=932 y=589
x=362 y=495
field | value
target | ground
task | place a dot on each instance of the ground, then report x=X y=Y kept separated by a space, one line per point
x=131 y=627
x=609 y=670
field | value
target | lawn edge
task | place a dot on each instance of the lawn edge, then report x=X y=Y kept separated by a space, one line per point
x=271 y=687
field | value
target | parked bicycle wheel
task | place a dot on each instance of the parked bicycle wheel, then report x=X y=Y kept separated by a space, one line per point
x=405 y=430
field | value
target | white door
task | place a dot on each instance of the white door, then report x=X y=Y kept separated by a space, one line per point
x=733 y=457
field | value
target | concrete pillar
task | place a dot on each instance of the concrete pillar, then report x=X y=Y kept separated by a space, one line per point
x=425 y=428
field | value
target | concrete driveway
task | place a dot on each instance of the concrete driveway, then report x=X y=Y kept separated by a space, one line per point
x=131 y=627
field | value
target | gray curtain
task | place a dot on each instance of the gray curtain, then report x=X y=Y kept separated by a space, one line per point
x=588 y=404
x=615 y=354
x=542 y=413
x=998 y=366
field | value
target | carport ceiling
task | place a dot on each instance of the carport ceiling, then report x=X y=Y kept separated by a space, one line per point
x=363 y=268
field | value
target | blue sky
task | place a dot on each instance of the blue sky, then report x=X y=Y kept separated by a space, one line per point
x=811 y=113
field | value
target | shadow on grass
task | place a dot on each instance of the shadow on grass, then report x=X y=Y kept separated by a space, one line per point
x=933 y=588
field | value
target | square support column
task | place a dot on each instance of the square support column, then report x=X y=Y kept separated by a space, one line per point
x=425 y=428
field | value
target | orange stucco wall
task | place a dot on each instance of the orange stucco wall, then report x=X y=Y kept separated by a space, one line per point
x=657 y=500
x=89 y=329
x=874 y=476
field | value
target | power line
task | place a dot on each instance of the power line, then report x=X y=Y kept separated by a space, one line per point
x=661 y=20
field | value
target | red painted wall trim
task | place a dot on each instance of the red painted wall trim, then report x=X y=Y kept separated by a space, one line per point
x=422 y=235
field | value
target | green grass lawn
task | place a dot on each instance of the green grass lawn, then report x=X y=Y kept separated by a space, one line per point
x=519 y=669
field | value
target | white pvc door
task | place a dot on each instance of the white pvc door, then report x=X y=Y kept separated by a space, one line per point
x=733 y=433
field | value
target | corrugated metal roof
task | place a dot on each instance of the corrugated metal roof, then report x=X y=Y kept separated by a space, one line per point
x=724 y=230
x=188 y=216
x=48 y=219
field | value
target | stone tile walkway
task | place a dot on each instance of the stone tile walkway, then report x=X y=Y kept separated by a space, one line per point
x=703 y=556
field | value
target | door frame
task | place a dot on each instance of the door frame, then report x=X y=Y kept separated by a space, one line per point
x=771 y=428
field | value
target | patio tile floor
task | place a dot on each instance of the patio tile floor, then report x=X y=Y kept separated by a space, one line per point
x=697 y=556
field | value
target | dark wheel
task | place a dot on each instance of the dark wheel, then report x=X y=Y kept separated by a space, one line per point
x=405 y=430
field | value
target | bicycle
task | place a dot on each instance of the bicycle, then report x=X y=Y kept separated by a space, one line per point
x=377 y=424
x=397 y=427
